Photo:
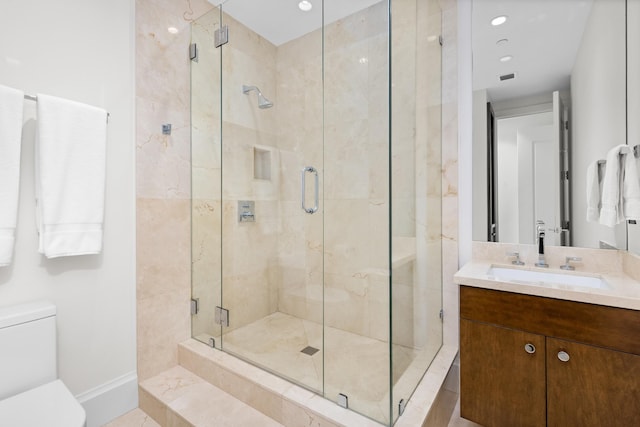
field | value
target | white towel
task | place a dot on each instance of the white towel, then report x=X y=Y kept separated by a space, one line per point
x=11 y=103
x=611 y=212
x=70 y=176
x=631 y=192
x=593 y=193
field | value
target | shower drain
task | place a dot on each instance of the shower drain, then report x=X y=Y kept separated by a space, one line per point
x=309 y=350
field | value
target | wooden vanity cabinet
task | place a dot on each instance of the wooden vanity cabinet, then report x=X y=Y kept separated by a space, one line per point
x=534 y=361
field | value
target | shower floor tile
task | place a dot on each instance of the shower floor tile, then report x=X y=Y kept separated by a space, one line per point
x=354 y=365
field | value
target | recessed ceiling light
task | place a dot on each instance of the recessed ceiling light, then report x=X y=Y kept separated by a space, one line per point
x=172 y=30
x=506 y=58
x=502 y=42
x=499 y=20
x=305 y=5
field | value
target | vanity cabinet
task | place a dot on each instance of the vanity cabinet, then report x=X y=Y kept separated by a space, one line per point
x=534 y=361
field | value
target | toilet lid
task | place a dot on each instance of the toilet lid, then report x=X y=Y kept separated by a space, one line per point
x=51 y=405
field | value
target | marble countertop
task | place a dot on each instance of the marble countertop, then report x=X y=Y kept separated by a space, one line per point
x=624 y=291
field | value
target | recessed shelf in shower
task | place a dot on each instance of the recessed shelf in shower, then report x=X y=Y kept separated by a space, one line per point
x=261 y=163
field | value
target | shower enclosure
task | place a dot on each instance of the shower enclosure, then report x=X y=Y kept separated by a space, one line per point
x=316 y=193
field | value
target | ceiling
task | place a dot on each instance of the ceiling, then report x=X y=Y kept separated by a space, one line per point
x=543 y=38
x=280 y=21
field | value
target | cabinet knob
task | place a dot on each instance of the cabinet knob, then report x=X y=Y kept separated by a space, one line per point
x=563 y=356
x=530 y=348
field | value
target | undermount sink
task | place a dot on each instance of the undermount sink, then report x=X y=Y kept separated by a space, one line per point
x=543 y=277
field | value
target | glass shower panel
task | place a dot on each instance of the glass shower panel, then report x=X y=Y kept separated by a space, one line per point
x=316 y=193
x=416 y=194
x=271 y=130
x=206 y=203
x=357 y=206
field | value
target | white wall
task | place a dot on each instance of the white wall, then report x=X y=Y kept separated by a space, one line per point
x=80 y=50
x=598 y=100
x=479 y=170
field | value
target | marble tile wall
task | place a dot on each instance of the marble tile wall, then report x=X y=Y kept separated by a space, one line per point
x=163 y=180
x=450 y=169
x=356 y=291
x=250 y=271
x=353 y=160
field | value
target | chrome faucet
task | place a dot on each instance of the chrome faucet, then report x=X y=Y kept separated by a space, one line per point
x=540 y=237
x=517 y=260
x=567 y=266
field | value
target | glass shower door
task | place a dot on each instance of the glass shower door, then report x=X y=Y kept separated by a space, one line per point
x=357 y=208
x=316 y=223
x=272 y=209
x=206 y=196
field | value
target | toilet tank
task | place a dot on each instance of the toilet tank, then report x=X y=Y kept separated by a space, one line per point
x=27 y=346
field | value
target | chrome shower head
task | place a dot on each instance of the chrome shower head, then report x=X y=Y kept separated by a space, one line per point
x=262 y=101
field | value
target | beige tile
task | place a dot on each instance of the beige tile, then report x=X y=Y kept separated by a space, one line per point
x=163 y=246
x=206 y=405
x=184 y=10
x=192 y=401
x=353 y=363
x=135 y=418
x=163 y=321
x=151 y=405
x=163 y=282
x=162 y=161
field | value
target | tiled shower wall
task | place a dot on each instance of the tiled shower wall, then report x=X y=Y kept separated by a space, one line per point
x=163 y=175
x=163 y=180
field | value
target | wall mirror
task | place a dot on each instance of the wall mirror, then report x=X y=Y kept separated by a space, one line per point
x=550 y=98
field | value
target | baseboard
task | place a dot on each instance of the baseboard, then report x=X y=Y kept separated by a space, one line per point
x=110 y=400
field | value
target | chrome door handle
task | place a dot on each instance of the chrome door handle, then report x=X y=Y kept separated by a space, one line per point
x=303 y=189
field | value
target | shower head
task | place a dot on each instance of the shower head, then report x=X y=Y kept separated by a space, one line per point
x=262 y=101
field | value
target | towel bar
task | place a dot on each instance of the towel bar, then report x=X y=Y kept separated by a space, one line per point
x=35 y=98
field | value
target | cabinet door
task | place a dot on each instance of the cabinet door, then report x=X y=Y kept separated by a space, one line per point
x=501 y=384
x=591 y=386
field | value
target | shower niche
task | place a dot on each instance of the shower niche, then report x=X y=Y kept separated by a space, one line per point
x=261 y=163
x=337 y=286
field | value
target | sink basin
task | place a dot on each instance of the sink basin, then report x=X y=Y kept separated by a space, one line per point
x=544 y=277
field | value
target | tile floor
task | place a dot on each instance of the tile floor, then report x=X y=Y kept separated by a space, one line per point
x=179 y=398
x=353 y=365
x=137 y=418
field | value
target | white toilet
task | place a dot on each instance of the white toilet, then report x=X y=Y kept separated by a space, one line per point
x=30 y=393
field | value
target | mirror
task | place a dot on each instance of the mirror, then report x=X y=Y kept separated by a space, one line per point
x=549 y=100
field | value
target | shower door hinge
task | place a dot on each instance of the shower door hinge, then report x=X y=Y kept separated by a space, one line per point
x=222 y=316
x=401 y=405
x=343 y=400
x=221 y=36
x=193 y=52
x=441 y=315
x=564 y=175
x=195 y=306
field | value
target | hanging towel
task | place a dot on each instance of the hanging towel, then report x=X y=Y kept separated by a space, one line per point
x=593 y=192
x=11 y=103
x=631 y=192
x=611 y=212
x=70 y=177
